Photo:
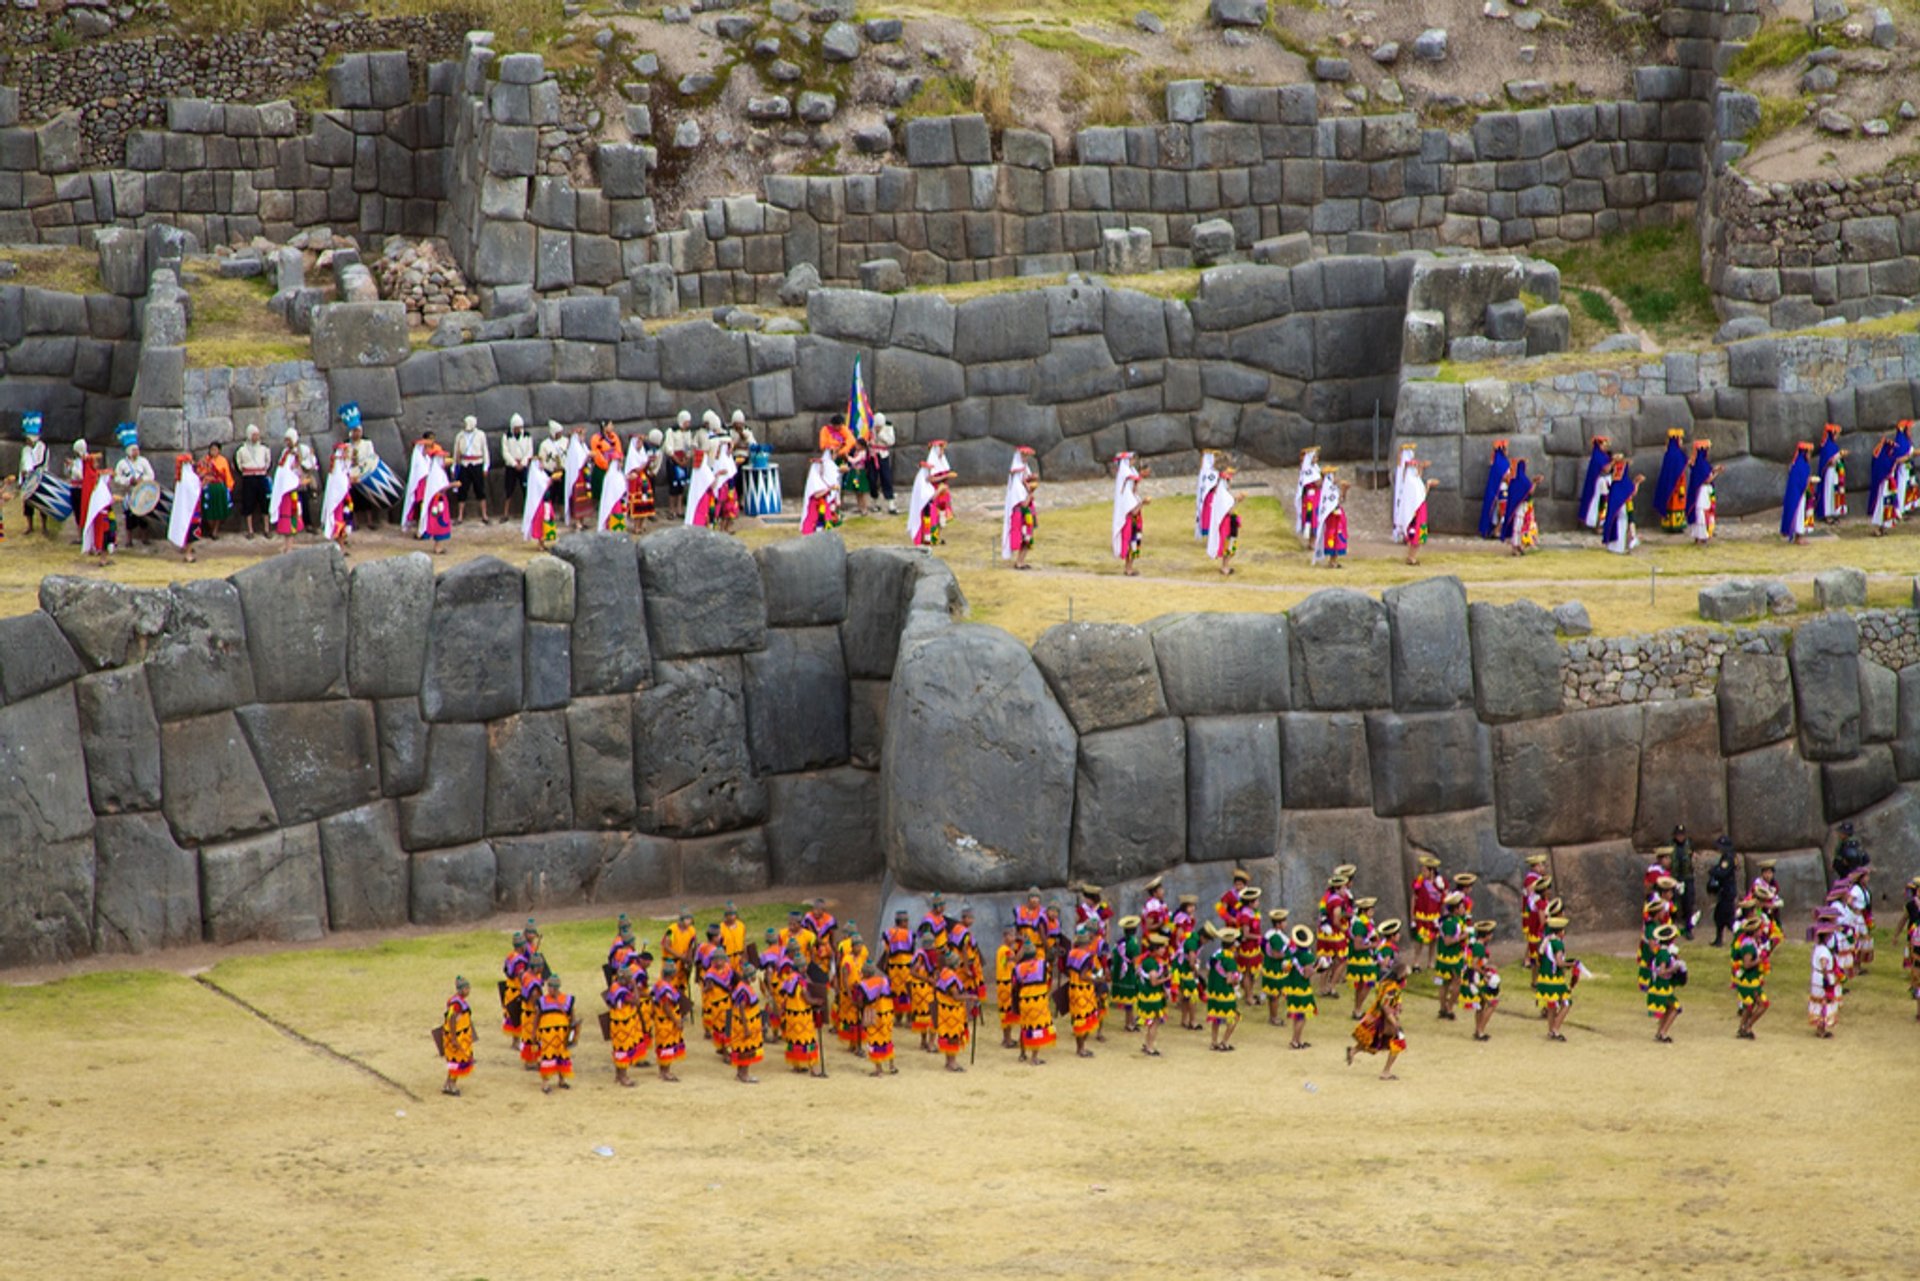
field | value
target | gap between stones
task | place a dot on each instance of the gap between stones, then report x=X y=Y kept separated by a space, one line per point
x=292 y=1033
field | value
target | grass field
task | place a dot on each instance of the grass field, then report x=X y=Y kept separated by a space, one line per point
x=151 y=1123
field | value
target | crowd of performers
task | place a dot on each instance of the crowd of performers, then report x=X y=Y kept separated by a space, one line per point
x=934 y=981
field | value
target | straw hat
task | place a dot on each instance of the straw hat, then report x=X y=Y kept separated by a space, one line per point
x=1250 y=895
x=1347 y=870
x=1240 y=874
x=1667 y=883
x=1230 y=935
x=1556 y=906
x=1188 y=900
x=1129 y=922
x=1155 y=883
x=1364 y=903
x=1768 y=864
x=1536 y=860
x=1301 y=936
x=1665 y=933
x=1558 y=922
x=1338 y=882
x=1454 y=898
x=1465 y=879
x=1429 y=861
x=1277 y=914
x=1544 y=883
x=1389 y=927
x=1483 y=927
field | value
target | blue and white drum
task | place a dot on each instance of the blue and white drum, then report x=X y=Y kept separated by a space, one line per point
x=763 y=490
x=50 y=494
x=163 y=507
x=379 y=486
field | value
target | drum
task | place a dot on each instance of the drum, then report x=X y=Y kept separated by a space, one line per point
x=163 y=506
x=379 y=486
x=50 y=494
x=144 y=498
x=762 y=490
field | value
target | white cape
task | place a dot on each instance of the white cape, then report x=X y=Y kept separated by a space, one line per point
x=333 y=502
x=537 y=483
x=186 y=505
x=437 y=484
x=1223 y=500
x=1016 y=494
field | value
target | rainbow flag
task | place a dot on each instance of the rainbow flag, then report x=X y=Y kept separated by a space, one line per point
x=859 y=407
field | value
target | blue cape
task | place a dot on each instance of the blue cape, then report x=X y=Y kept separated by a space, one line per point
x=1618 y=494
x=1496 y=472
x=1880 y=467
x=1796 y=495
x=1673 y=466
x=1697 y=472
x=1519 y=490
x=1596 y=468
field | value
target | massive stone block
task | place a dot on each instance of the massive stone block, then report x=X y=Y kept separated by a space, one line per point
x=1103 y=674
x=692 y=771
x=729 y=863
x=1432 y=665
x=1802 y=877
x=1755 y=699
x=199 y=662
x=34 y=657
x=1323 y=761
x=805 y=580
x=1602 y=884
x=451 y=886
x=1773 y=799
x=1340 y=652
x=211 y=788
x=529 y=781
x=702 y=594
x=600 y=754
x=1682 y=779
x=390 y=605
x=866 y=721
x=147 y=888
x=106 y=623
x=1906 y=742
x=450 y=807
x=880 y=582
x=824 y=827
x=1469 y=841
x=1879 y=703
x=1887 y=829
x=364 y=867
x=1826 y=685
x=1233 y=787
x=475 y=644
x=978 y=793
x=610 y=653
x=1516 y=661
x=296 y=617
x=1851 y=786
x=796 y=691
x=1565 y=780
x=403 y=745
x=634 y=866
x=1314 y=842
x=1221 y=664
x=1428 y=762
x=121 y=739
x=265 y=887
x=546 y=870
x=46 y=832
x=317 y=758
x=1130 y=801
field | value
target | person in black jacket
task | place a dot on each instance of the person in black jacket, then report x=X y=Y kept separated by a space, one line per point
x=1681 y=868
x=1850 y=854
x=1723 y=882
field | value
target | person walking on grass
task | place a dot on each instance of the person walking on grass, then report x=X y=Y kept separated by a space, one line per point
x=456 y=1037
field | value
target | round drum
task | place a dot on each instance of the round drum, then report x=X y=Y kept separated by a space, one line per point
x=379 y=486
x=144 y=498
x=50 y=494
x=763 y=490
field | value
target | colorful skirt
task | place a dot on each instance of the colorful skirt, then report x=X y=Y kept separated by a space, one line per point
x=1036 y=1018
x=216 y=501
x=1300 y=999
x=950 y=1024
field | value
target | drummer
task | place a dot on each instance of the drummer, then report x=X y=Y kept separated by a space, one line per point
x=361 y=462
x=129 y=474
x=742 y=441
x=255 y=462
x=309 y=480
x=33 y=469
x=75 y=469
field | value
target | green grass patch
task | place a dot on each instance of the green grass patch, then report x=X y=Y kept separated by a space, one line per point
x=1777 y=115
x=66 y=268
x=1774 y=46
x=1071 y=43
x=1596 y=308
x=1655 y=271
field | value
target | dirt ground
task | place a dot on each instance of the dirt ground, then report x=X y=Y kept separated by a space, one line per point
x=150 y=1122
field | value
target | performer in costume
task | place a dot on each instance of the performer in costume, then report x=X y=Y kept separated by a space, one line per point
x=953 y=1005
x=1553 y=977
x=216 y=491
x=611 y=513
x=1669 y=488
x=1702 y=506
x=1617 y=534
x=1223 y=538
x=336 y=500
x=436 y=514
x=1274 y=946
x=626 y=998
x=34 y=468
x=1223 y=990
x=1796 y=509
x=1082 y=971
x=456 y=1036
x=1033 y=990
x=558 y=1028
x=1363 y=966
x=1450 y=952
x=1129 y=513
x=1593 y=485
x=875 y=997
x=923 y=515
x=129 y=474
x=1330 y=517
x=1379 y=1028
x=1203 y=484
x=1018 y=520
x=1518 y=528
x=1823 y=990
x=1297 y=985
x=1497 y=471
x=1150 y=1001
x=516 y=456
x=1665 y=976
x=1428 y=895
x=1005 y=957
x=640 y=499
x=746 y=1033
x=1883 y=497
x=284 y=503
x=1749 y=974
x=1830 y=477
x=670 y=1007
x=1410 y=490
x=1306 y=496
x=473 y=457
x=1906 y=476
x=1482 y=989
x=184 y=521
x=820 y=502
x=255 y=463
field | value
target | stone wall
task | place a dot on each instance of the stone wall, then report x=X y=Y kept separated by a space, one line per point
x=301 y=748
x=1359 y=731
x=275 y=397
x=1263 y=360
x=1754 y=400
x=1794 y=254
x=73 y=357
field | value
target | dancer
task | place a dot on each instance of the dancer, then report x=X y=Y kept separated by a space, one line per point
x=1823 y=990
x=1518 y=528
x=1402 y=468
x=1428 y=896
x=1330 y=529
x=1297 y=985
x=283 y=507
x=1702 y=504
x=1223 y=536
x=1410 y=490
x=456 y=1036
x=923 y=517
x=336 y=501
x=1830 y=477
x=1482 y=993
x=1017 y=520
x=1379 y=1028
x=1796 y=507
x=1223 y=991
x=1150 y=999
x=820 y=502
x=1669 y=488
x=1498 y=469
x=1306 y=496
x=1666 y=974
x=1749 y=971
x=1883 y=498
x=1594 y=484
x=1202 y=491
x=1553 y=977
x=1129 y=513
x=1906 y=477
x=1618 y=533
